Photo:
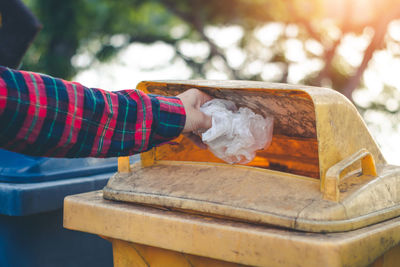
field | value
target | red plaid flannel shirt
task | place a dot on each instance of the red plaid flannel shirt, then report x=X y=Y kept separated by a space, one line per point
x=44 y=116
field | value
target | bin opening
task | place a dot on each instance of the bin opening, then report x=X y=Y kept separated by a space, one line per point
x=294 y=146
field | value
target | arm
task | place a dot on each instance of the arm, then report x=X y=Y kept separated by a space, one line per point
x=44 y=116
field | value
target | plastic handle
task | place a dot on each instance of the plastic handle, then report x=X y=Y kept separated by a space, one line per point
x=147 y=160
x=332 y=178
x=124 y=165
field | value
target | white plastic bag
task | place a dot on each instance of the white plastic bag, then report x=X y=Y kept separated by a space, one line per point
x=235 y=134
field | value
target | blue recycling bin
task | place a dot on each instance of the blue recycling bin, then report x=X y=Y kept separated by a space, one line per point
x=32 y=190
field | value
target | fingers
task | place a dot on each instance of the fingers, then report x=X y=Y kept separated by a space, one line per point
x=196 y=120
x=206 y=122
x=203 y=98
x=195 y=97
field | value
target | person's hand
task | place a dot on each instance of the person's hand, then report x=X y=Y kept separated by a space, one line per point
x=196 y=121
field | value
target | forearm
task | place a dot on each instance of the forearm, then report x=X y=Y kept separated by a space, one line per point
x=44 y=116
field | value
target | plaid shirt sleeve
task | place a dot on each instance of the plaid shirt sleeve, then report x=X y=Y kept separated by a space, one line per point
x=44 y=116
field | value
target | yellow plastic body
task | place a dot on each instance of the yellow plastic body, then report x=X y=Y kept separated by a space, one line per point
x=174 y=235
x=128 y=254
x=185 y=211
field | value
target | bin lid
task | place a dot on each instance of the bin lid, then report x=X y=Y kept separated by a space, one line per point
x=19 y=168
x=322 y=173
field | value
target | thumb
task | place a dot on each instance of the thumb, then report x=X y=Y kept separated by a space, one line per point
x=205 y=121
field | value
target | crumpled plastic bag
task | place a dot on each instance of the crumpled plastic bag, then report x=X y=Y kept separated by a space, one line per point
x=235 y=134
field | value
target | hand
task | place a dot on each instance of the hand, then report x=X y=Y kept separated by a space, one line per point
x=196 y=121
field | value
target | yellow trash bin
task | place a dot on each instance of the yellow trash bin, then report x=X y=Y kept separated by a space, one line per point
x=321 y=195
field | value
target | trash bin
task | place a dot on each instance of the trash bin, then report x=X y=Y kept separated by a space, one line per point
x=32 y=190
x=321 y=195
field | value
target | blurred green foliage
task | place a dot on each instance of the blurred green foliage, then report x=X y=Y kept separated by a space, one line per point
x=75 y=26
x=101 y=28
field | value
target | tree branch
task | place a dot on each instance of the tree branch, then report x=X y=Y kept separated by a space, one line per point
x=198 y=25
x=329 y=54
x=377 y=39
x=198 y=67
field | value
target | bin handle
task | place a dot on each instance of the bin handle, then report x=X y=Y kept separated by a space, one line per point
x=147 y=159
x=124 y=165
x=332 y=178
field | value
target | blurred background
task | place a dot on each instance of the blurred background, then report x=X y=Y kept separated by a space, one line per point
x=352 y=46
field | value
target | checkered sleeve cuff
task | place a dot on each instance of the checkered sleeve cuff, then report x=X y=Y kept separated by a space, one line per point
x=169 y=119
